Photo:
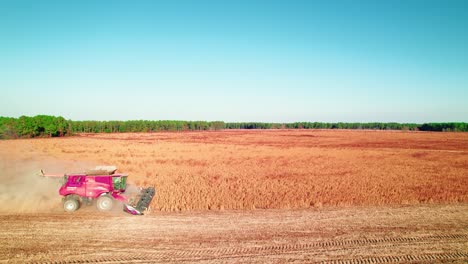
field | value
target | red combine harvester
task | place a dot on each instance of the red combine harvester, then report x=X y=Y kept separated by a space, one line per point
x=103 y=185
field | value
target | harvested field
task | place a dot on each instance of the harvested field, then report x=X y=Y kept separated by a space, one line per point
x=402 y=234
x=219 y=170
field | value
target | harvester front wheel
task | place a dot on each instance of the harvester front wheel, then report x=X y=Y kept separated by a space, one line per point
x=71 y=204
x=105 y=203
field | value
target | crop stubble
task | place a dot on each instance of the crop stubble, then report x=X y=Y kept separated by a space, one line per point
x=397 y=234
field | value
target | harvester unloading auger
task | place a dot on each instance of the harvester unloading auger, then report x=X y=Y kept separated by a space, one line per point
x=105 y=186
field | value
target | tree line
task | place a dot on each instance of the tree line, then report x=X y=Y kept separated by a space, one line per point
x=37 y=126
x=142 y=126
x=53 y=126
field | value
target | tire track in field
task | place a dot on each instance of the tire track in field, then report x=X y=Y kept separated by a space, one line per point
x=405 y=258
x=369 y=260
x=286 y=249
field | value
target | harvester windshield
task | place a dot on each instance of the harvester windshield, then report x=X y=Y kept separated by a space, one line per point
x=119 y=182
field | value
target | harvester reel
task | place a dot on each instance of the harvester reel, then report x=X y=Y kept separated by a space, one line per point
x=144 y=199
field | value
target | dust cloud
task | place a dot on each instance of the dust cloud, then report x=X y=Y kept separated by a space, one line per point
x=23 y=190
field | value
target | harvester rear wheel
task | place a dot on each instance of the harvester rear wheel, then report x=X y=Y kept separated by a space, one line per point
x=71 y=204
x=105 y=203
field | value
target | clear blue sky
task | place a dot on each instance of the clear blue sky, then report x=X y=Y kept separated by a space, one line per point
x=272 y=61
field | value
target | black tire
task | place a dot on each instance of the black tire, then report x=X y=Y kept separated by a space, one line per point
x=105 y=203
x=71 y=204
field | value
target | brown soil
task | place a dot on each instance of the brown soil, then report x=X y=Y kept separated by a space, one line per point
x=403 y=234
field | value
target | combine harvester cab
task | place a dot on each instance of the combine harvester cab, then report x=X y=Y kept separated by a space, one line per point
x=103 y=185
